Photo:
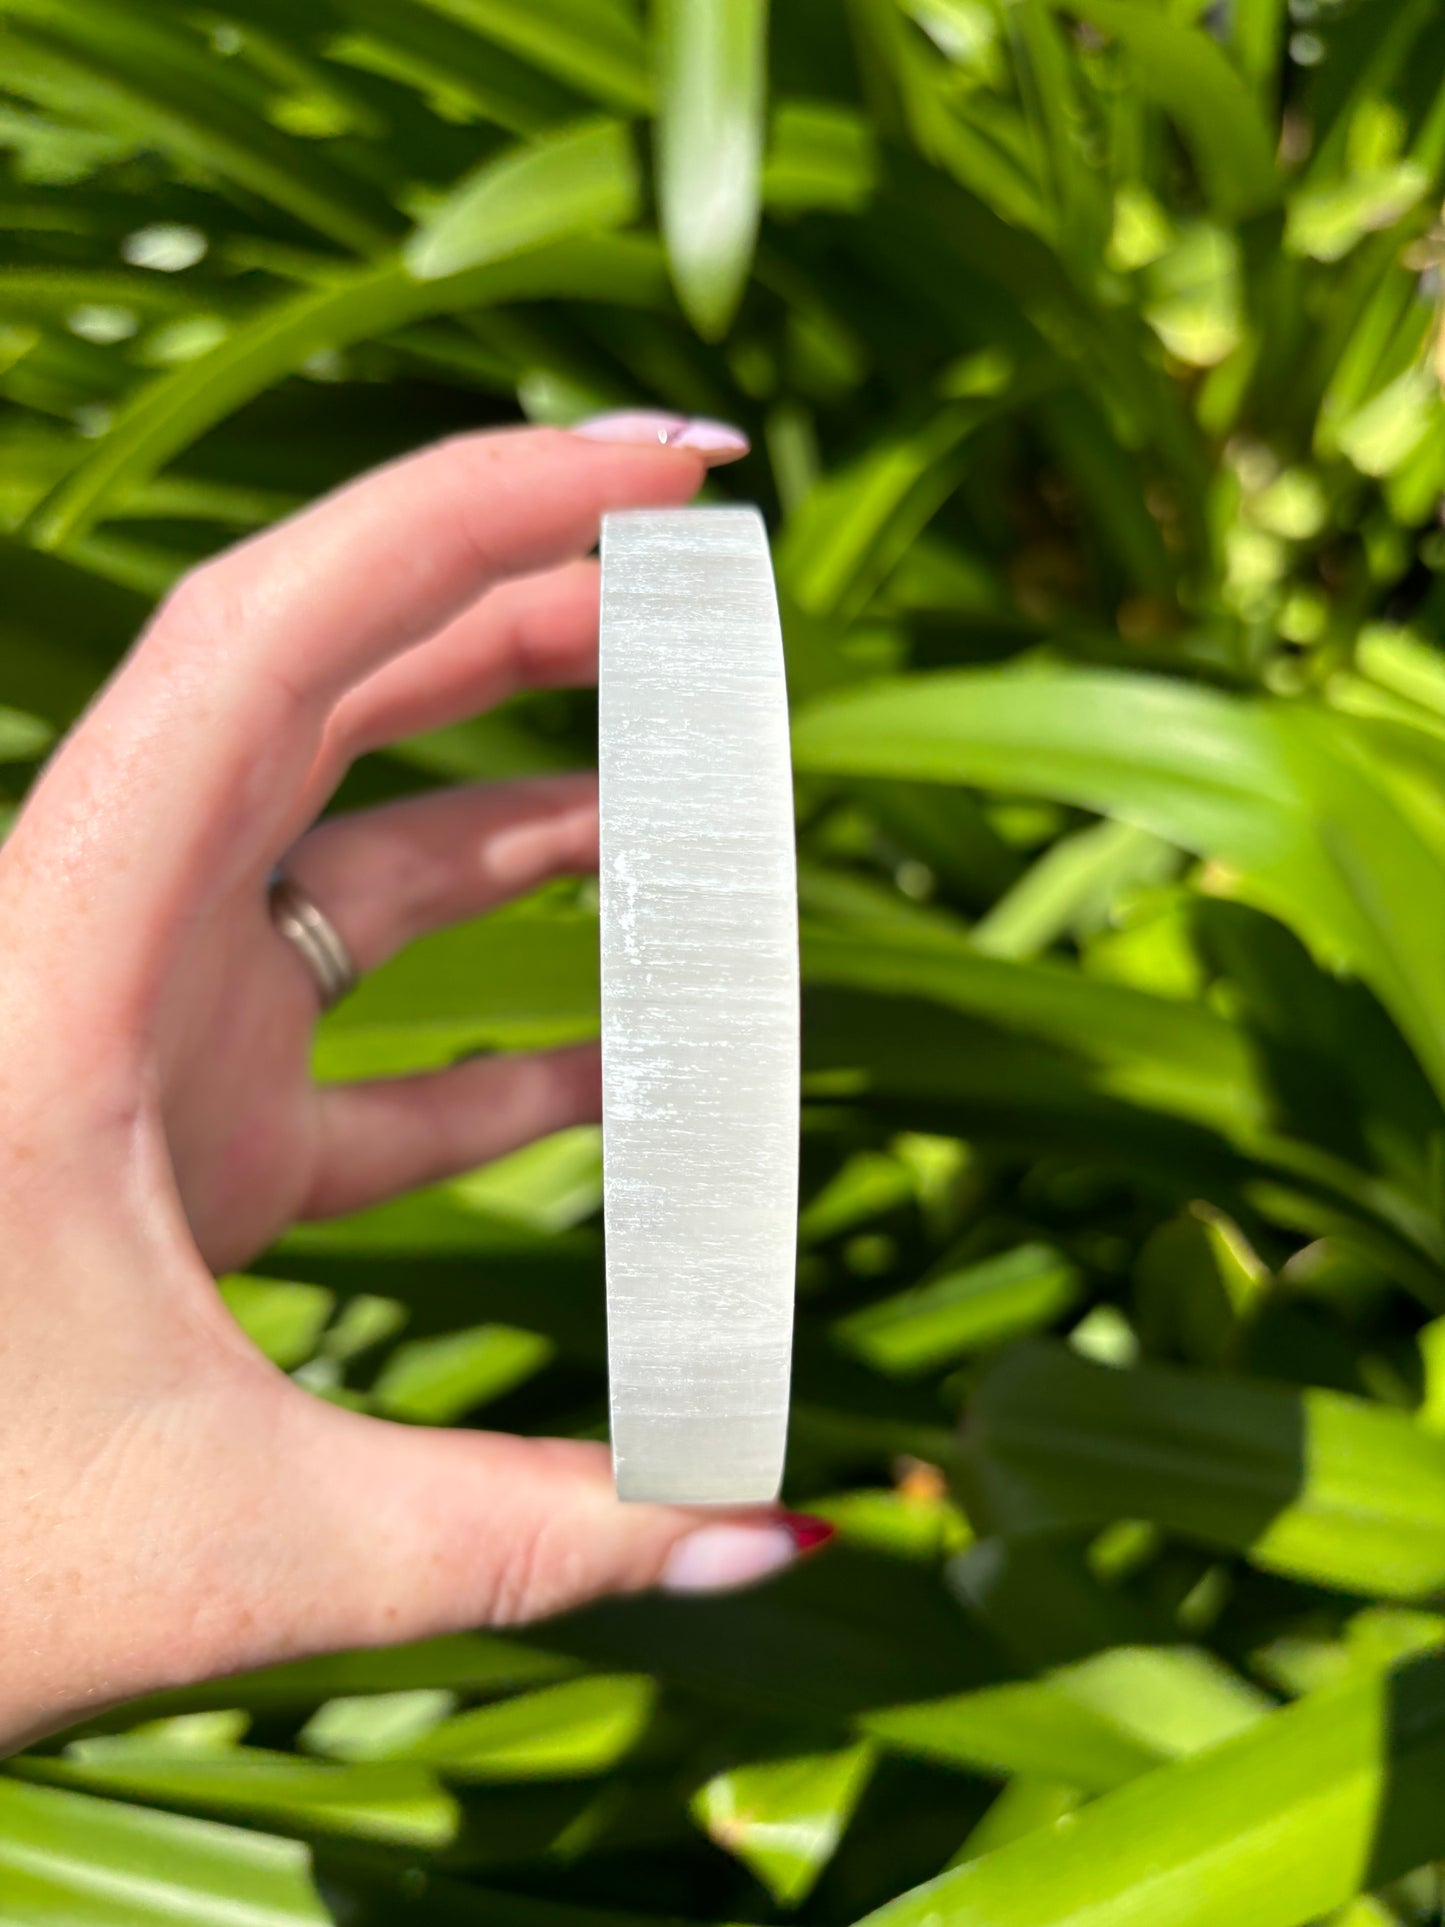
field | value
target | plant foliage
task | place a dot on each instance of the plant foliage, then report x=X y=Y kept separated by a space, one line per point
x=1089 y=354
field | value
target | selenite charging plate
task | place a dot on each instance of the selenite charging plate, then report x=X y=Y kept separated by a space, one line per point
x=699 y=1005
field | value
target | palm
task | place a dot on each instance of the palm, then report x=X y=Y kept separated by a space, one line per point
x=241 y=1112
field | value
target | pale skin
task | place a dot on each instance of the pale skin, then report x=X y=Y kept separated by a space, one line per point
x=172 y=1507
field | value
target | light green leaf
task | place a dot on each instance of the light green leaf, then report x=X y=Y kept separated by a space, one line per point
x=1312 y=1483
x=67 y=1860
x=507 y=981
x=1075 y=881
x=1295 y=1816
x=912 y=1521
x=571 y=1731
x=854 y=526
x=1025 y=1806
x=1326 y=221
x=712 y=57
x=819 y=156
x=550 y=1185
x=397 y=1801
x=962 y=1310
x=23 y=738
x=1095 y=1724
x=436 y=1381
x=284 y=1321
x=481 y=1663
x=579 y=181
x=376 y=1725
x=1042 y=1041
x=866 y=1187
x=172 y=412
x=1381 y=436
x=1293 y=800
x=784 y=1818
x=1194 y=300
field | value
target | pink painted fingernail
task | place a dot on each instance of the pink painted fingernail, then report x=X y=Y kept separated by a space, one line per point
x=719 y=441
x=715 y=441
x=719 y=1558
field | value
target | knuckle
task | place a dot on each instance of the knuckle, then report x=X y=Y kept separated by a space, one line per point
x=201 y=605
x=539 y=1574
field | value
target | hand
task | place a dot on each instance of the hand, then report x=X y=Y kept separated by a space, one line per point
x=171 y=1506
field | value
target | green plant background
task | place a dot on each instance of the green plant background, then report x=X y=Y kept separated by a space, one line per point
x=1088 y=355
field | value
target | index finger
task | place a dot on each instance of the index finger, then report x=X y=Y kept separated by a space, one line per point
x=187 y=771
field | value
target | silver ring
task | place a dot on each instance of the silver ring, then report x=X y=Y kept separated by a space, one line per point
x=306 y=925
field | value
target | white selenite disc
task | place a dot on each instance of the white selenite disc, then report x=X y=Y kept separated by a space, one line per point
x=699 y=1005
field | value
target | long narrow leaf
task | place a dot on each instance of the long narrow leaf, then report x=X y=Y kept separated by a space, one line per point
x=1272 y=1829
x=713 y=60
x=1289 y=798
x=1314 y=1484
x=176 y=410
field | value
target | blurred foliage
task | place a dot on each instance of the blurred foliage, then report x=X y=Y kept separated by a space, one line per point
x=1089 y=354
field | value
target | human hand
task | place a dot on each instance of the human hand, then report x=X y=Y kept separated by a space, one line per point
x=172 y=1507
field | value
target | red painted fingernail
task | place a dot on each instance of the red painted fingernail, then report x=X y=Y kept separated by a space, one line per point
x=808 y=1533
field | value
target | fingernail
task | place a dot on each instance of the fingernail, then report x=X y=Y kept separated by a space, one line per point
x=719 y=441
x=718 y=1558
x=716 y=441
x=810 y=1533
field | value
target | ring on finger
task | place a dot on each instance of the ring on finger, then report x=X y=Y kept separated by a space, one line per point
x=306 y=926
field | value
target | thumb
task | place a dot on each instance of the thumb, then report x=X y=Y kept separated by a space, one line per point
x=247 y=1522
x=404 y=1532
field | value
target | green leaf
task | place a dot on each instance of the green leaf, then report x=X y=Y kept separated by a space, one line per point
x=506 y=981
x=581 y=180
x=1025 y=1806
x=596 y=48
x=1186 y=72
x=375 y=1726
x=549 y=1185
x=819 y=156
x=784 y=1818
x=852 y=528
x=436 y=1381
x=171 y=413
x=912 y=1522
x=712 y=59
x=141 y=76
x=1097 y=1724
x=574 y=1730
x=431 y=48
x=1076 y=880
x=1326 y=221
x=72 y=1861
x=1197 y=1284
x=1293 y=1817
x=1117 y=1073
x=1329 y=1489
x=1293 y=800
x=285 y=1321
x=962 y=1310
x=23 y=738
x=481 y=1663
x=397 y=1801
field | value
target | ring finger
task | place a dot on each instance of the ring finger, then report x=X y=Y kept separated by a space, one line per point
x=384 y=877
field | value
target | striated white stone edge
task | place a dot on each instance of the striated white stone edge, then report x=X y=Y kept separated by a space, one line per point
x=699 y=1005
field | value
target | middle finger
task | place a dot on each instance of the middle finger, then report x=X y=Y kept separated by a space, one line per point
x=538 y=632
x=387 y=876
